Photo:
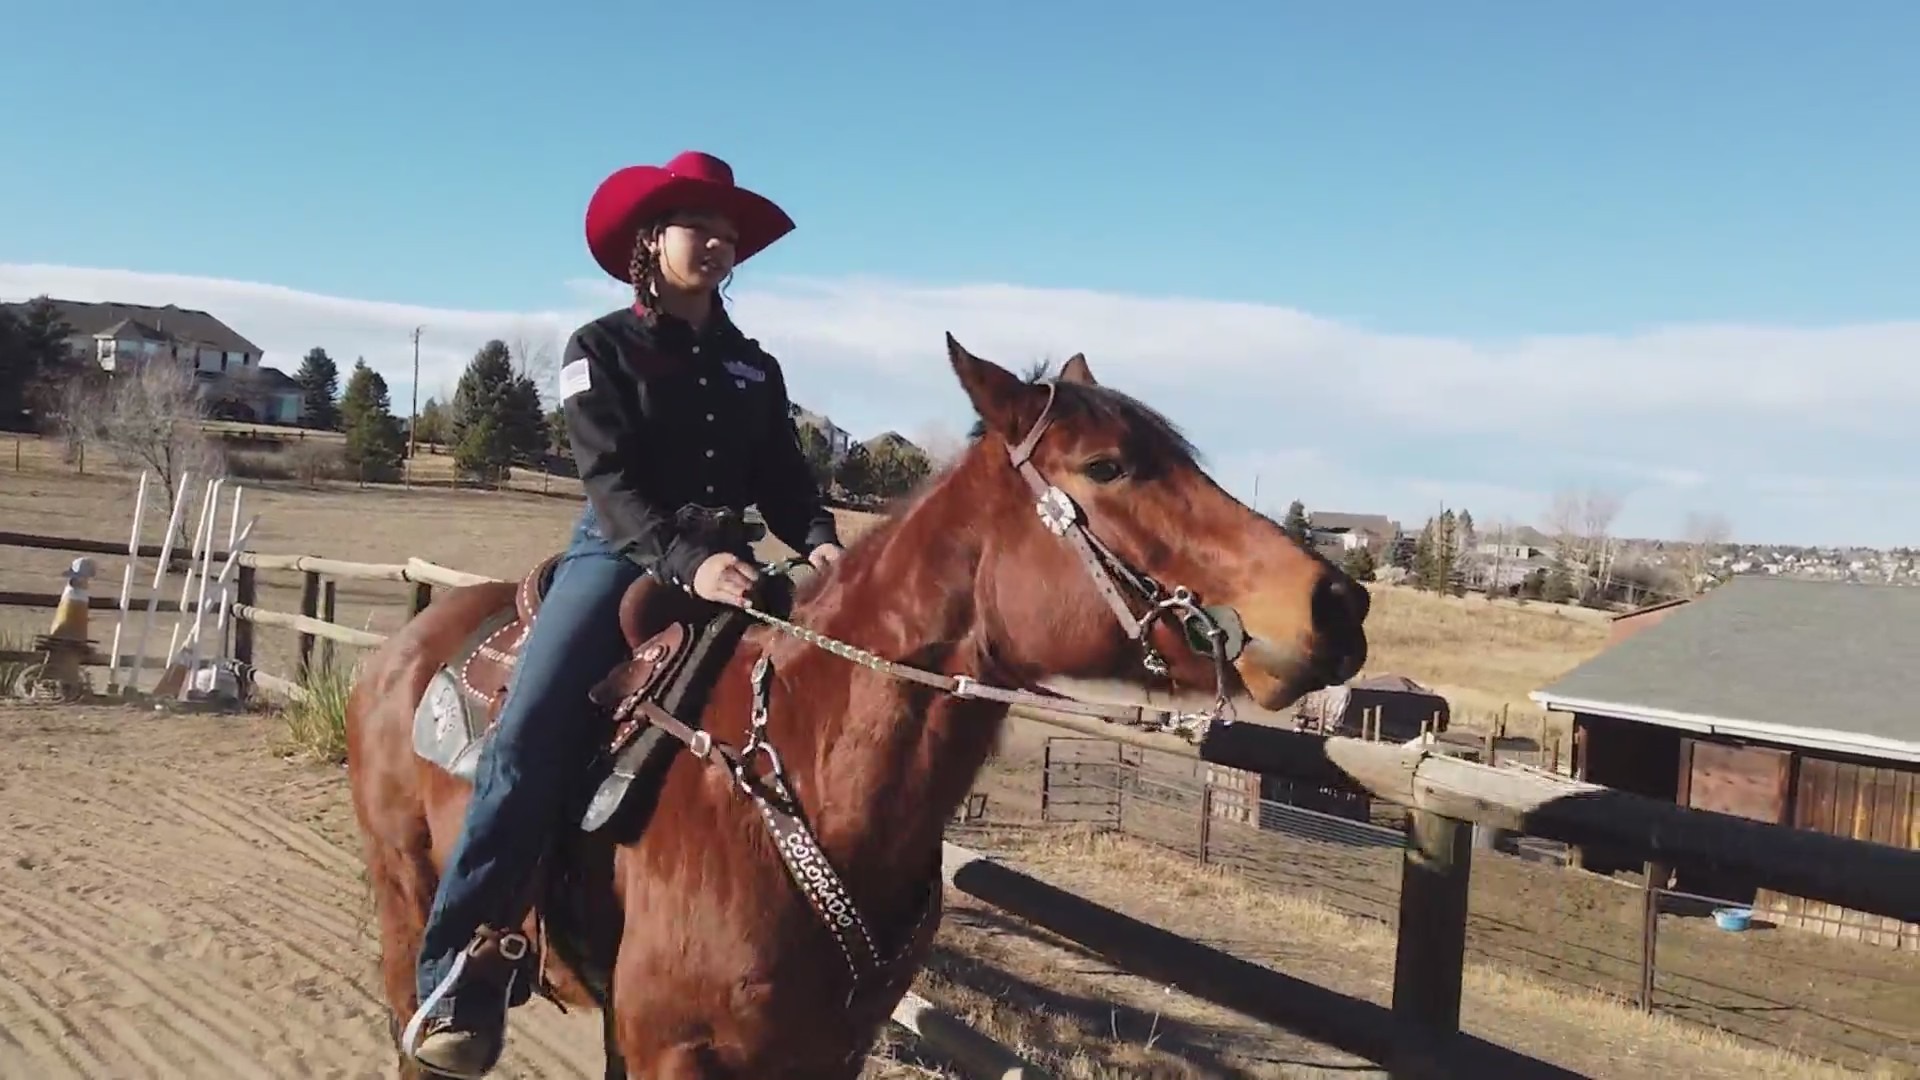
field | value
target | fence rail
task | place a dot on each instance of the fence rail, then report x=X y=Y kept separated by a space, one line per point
x=1445 y=797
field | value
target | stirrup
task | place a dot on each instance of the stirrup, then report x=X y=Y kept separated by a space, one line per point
x=488 y=946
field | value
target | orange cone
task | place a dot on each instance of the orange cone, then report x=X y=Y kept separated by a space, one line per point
x=66 y=643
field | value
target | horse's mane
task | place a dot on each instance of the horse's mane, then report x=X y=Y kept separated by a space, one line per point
x=1102 y=405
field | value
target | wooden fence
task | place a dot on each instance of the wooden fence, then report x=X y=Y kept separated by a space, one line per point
x=1445 y=798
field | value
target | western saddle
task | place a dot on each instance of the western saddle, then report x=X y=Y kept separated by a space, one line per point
x=677 y=643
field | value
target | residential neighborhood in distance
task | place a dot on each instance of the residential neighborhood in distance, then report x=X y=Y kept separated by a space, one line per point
x=1563 y=564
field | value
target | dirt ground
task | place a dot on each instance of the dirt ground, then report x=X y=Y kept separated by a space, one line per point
x=188 y=904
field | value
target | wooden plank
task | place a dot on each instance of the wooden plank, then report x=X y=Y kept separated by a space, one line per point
x=50 y=600
x=444 y=576
x=1749 y=781
x=979 y=1056
x=85 y=546
x=274 y=684
x=314 y=564
x=345 y=635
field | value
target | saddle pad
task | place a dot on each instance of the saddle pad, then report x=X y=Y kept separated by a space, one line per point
x=449 y=724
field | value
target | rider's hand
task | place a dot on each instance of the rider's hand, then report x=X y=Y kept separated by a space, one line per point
x=725 y=578
x=824 y=556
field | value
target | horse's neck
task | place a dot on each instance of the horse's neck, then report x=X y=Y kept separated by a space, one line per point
x=890 y=759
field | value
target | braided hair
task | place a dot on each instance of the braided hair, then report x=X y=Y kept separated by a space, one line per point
x=643 y=271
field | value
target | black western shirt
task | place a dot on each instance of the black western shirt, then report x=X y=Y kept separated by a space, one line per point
x=663 y=417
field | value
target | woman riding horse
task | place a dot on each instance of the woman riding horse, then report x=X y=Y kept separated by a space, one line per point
x=673 y=414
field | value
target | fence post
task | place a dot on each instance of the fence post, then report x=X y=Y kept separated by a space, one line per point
x=244 y=594
x=421 y=596
x=1431 y=953
x=1046 y=776
x=1206 y=819
x=328 y=589
x=310 y=607
x=1656 y=879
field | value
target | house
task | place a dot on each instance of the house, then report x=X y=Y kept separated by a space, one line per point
x=1345 y=532
x=119 y=337
x=1774 y=698
x=115 y=334
x=839 y=440
x=258 y=394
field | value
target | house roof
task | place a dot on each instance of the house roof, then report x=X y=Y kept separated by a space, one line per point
x=132 y=330
x=184 y=324
x=1377 y=524
x=1819 y=664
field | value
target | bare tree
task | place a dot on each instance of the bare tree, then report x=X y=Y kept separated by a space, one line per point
x=1701 y=535
x=533 y=356
x=148 y=416
x=1581 y=525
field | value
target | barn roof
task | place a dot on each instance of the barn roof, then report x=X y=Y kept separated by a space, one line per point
x=1806 y=663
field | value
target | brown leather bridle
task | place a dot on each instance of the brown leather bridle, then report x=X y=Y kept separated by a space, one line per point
x=1215 y=631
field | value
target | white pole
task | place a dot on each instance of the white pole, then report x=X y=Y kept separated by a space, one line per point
x=233 y=545
x=160 y=572
x=207 y=502
x=206 y=571
x=192 y=670
x=126 y=581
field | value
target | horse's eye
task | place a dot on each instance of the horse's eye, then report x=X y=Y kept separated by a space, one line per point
x=1103 y=470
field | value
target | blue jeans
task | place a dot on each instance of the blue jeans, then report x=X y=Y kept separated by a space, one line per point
x=544 y=740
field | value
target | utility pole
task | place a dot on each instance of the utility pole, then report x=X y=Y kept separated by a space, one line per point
x=413 y=425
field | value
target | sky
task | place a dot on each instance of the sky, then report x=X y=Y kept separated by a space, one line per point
x=1381 y=258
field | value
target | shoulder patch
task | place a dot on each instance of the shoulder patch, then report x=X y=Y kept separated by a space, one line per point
x=575 y=378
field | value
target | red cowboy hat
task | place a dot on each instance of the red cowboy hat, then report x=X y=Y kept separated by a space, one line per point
x=691 y=181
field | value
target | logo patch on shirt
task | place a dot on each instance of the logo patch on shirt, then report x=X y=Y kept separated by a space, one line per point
x=575 y=378
x=745 y=371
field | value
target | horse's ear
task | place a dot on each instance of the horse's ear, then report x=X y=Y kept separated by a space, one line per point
x=997 y=394
x=1075 y=370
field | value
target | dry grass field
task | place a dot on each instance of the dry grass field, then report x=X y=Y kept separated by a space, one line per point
x=186 y=898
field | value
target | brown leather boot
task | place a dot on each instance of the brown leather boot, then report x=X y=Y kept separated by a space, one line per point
x=464 y=1037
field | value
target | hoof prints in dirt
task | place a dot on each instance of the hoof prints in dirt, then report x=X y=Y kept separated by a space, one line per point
x=162 y=925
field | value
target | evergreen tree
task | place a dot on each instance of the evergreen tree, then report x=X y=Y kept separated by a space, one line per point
x=1296 y=524
x=482 y=435
x=1358 y=564
x=319 y=379
x=1446 y=553
x=524 y=421
x=433 y=427
x=818 y=452
x=855 y=471
x=34 y=356
x=1423 y=557
x=1558 y=588
x=375 y=439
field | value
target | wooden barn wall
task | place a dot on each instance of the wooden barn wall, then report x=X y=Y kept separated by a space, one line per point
x=1632 y=757
x=1748 y=781
x=1864 y=800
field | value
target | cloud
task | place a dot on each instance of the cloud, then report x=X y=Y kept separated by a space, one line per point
x=1789 y=431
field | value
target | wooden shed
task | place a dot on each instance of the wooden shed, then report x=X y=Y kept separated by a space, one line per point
x=1397 y=708
x=1775 y=699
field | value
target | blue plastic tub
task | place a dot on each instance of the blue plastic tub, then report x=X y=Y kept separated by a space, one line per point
x=1732 y=918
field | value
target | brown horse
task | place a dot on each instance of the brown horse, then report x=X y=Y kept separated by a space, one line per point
x=773 y=910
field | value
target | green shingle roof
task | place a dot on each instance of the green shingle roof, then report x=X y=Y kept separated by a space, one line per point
x=1794 y=661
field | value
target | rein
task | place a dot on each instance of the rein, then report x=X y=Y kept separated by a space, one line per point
x=1214 y=631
